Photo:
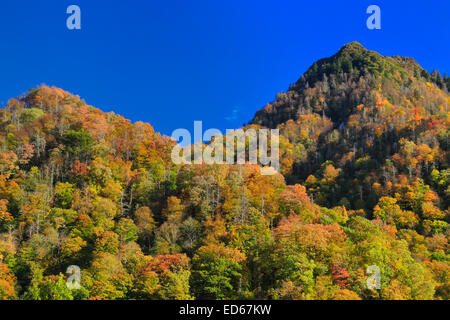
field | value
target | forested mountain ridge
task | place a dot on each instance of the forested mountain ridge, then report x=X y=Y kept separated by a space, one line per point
x=335 y=86
x=364 y=151
x=369 y=118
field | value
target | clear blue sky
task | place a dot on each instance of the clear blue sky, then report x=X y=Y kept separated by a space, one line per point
x=172 y=62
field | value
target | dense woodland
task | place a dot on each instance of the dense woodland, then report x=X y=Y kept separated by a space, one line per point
x=364 y=180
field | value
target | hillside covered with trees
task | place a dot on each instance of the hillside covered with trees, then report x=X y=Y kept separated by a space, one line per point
x=364 y=181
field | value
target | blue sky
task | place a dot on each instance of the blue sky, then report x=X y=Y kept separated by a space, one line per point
x=172 y=62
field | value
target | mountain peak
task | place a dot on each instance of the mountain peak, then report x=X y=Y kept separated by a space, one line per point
x=352 y=57
x=335 y=86
x=352 y=46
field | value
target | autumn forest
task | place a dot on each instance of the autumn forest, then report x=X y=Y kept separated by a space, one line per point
x=363 y=181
